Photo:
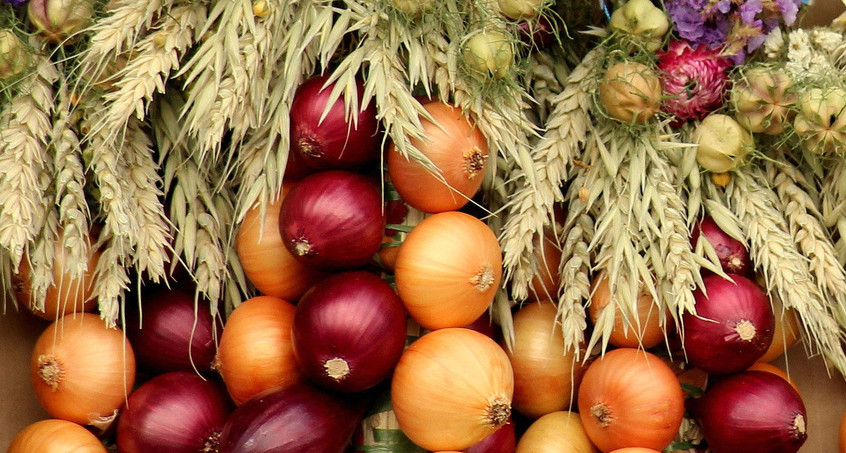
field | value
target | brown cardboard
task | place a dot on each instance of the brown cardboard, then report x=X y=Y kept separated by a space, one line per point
x=18 y=405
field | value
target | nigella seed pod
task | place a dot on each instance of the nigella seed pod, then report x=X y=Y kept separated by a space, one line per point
x=58 y=21
x=821 y=121
x=763 y=100
x=14 y=57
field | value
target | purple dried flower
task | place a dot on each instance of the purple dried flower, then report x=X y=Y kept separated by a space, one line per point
x=16 y=2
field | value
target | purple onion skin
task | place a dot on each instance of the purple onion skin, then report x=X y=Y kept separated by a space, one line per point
x=733 y=254
x=718 y=347
x=354 y=316
x=177 y=412
x=297 y=419
x=333 y=220
x=503 y=440
x=751 y=412
x=171 y=335
x=332 y=143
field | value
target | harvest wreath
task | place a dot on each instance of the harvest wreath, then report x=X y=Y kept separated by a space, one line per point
x=478 y=222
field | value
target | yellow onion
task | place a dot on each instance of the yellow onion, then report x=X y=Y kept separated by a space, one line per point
x=763 y=100
x=14 y=57
x=821 y=121
x=545 y=371
x=489 y=53
x=452 y=388
x=55 y=436
x=556 y=432
x=630 y=92
x=519 y=9
x=723 y=143
x=642 y=20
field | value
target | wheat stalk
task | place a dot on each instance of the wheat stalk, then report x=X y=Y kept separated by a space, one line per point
x=785 y=270
x=69 y=182
x=26 y=169
x=803 y=221
x=112 y=36
x=154 y=58
x=531 y=207
x=833 y=206
x=153 y=238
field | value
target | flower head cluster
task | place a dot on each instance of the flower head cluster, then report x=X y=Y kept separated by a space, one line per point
x=16 y=2
x=736 y=27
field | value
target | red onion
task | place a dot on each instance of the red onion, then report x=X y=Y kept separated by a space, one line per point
x=172 y=332
x=751 y=412
x=733 y=254
x=349 y=331
x=332 y=141
x=536 y=32
x=301 y=418
x=503 y=440
x=333 y=220
x=176 y=412
x=732 y=328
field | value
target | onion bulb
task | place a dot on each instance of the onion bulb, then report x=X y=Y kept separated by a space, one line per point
x=170 y=332
x=266 y=261
x=255 y=351
x=324 y=136
x=545 y=372
x=733 y=254
x=55 y=436
x=69 y=292
x=547 y=278
x=641 y=327
x=751 y=412
x=452 y=388
x=175 y=412
x=349 y=331
x=299 y=418
x=82 y=370
x=786 y=333
x=448 y=270
x=457 y=149
x=333 y=220
x=619 y=389
x=556 y=432
x=733 y=325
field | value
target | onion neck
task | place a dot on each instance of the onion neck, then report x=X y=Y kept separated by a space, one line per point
x=337 y=368
x=474 y=162
x=746 y=330
x=799 y=428
x=498 y=412
x=601 y=413
x=483 y=279
x=50 y=371
x=211 y=444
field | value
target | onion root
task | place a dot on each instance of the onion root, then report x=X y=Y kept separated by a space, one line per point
x=601 y=413
x=337 y=368
x=50 y=371
x=498 y=412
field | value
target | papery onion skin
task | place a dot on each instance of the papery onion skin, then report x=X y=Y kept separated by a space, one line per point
x=172 y=333
x=751 y=412
x=452 y=388
x=630 y=398
x=349 y=331
x=331 y=142
x=459 y=151
x=300 y=418
x=255 y=351
x=733 y=326
x=82 y=370
x=265 y=259
x=545 y=372
x=68 y=294
x=333 y=220
x=502 y=440
x=55 y=436
x=175 y=412
x=733 y=254
x=448 y=270
x=556 y=432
